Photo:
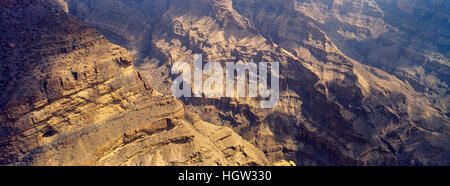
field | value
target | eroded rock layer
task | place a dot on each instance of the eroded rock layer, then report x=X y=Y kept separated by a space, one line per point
x=406 y=38
x=70 y=97
x=332 y=111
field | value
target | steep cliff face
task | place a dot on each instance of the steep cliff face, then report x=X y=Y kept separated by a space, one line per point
x=368 y=97
x=70 y=97
x=407 y=38
x=332 y=110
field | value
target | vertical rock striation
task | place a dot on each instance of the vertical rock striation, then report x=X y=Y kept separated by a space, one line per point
x=70 y=97
x=333 y=110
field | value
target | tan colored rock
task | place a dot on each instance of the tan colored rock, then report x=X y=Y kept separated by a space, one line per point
x=392 y=36
x=70 y=97
x=333 y=110
x=284 y=163
x=180 y=142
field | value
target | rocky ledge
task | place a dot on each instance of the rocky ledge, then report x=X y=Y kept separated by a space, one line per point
x=70 y=97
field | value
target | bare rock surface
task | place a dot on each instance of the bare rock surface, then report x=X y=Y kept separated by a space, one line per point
x=333 y=110
x=406 y=38
x=70 y=97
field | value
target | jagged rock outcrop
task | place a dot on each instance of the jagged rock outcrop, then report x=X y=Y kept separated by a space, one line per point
x=407 y=38
x=332 y=111
x=70 y=97
x=188 y=142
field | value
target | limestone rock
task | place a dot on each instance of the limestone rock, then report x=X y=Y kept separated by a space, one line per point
x=333 y=110
x=70 y=97
x=407 y=38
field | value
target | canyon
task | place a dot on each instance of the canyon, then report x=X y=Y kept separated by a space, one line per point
x=87 y=82
x=406 y=38
x=70 y=97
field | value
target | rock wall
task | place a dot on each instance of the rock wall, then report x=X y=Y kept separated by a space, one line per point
x=408 y=39
x=70 y=97
x=332 y=111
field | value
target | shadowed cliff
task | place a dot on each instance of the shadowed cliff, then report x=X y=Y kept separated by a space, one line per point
x=333 y=110
x=70 y=97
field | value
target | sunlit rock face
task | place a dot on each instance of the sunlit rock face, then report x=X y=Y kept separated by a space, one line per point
x=70 y=97
x=407 y=38
x=333 y=109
